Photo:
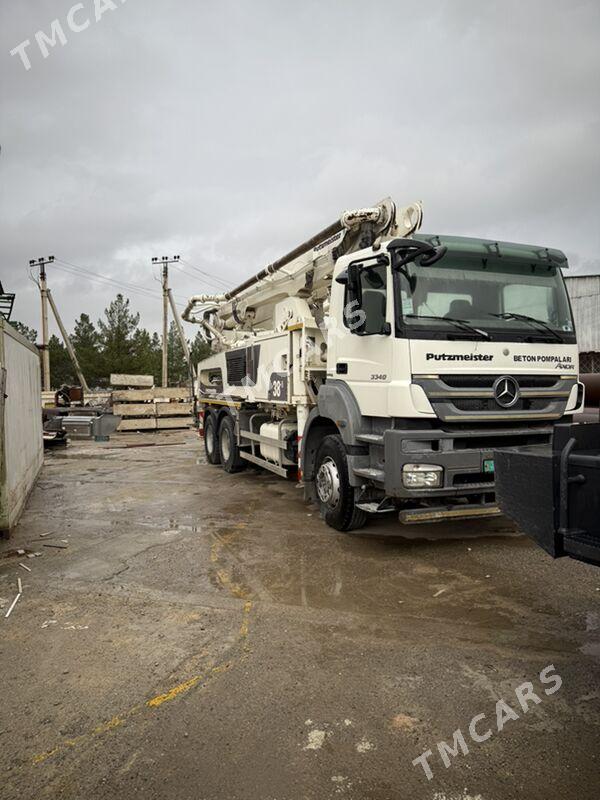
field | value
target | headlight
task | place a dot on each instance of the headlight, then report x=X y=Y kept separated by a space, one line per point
x=422 y=476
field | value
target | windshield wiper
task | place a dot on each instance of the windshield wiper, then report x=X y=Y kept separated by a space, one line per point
x=459 y=323
x=531 y=320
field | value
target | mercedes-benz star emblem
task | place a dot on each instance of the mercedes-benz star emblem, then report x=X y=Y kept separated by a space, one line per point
x=506 y=391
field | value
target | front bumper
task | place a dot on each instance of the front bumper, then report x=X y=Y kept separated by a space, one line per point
x=461 y=453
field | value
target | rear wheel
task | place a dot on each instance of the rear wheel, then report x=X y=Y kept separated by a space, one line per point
x=211 y=447
x=335 y=495
x=228 y=448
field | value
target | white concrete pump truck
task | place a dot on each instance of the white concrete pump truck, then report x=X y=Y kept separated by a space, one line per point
x=382 y=367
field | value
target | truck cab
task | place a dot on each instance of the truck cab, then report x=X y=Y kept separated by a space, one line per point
x=436 y=359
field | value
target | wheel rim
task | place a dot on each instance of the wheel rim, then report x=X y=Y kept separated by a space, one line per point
x=328 y=483
x=225 y=445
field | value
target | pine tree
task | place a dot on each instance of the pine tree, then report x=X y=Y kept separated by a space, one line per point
x=86 y=341
x=157 y=357
x=61 y=368
x=117 y=337
x=179 y=372
x=25 y=330
x=199 y=350
x=146 y=351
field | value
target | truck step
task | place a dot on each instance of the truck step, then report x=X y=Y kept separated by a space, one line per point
x=262 y=462
x=375 y=508
x=370 y=438
x=376 y=475
x=444 y=513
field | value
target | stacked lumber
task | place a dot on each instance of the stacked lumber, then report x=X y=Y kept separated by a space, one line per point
x=145 y=407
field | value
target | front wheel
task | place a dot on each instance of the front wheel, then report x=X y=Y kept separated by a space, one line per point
x=335 y=495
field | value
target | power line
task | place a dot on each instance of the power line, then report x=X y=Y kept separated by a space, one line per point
x=118 y=281
x=225 y=284
x=83 y=272
x=195 y=277
x=137 y=287
x=106 y=282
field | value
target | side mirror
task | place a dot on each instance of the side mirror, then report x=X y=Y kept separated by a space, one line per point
x=354 y=279
x=429 y=260
x=350 y=277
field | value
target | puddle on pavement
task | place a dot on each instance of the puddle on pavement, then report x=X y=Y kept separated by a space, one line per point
x=380 y=577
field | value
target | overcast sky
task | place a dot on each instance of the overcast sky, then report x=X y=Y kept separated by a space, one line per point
x=228 y=132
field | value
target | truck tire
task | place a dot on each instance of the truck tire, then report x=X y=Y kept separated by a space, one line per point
x=211 y=442
x=228 y=448
x=334 y=494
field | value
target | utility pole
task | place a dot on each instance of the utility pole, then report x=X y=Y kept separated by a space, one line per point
x=68 y=345
x=48 y=299
x=184 y=344
x=41 y=263
x=165 y=261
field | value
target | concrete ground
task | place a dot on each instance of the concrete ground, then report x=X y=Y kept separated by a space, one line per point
x=206 y=636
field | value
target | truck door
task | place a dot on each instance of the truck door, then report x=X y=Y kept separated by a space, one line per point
x=361 y=346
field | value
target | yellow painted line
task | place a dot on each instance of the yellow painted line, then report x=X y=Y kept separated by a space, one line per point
x=156 y=702
x=113 y=723
x=232 y=587
x=245 y=620
x=104 y=727
x=181 y=688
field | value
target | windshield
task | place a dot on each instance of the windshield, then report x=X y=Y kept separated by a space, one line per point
x=500 y=296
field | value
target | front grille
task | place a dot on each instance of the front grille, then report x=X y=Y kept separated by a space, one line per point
x=491 y=442
x=474 y=404
x=490 y=404
x=472 y=396
x=487 y=381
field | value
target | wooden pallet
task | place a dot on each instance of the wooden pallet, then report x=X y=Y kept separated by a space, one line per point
x=137 y=424
x=173 y=409
x=131 y=381
x=146 y=408
x=134 y=409
x=167 y=423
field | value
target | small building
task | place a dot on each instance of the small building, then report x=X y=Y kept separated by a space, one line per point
x=584 y=292
x=21 y=436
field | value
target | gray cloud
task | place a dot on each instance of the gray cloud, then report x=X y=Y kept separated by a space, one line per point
x=229 y=131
